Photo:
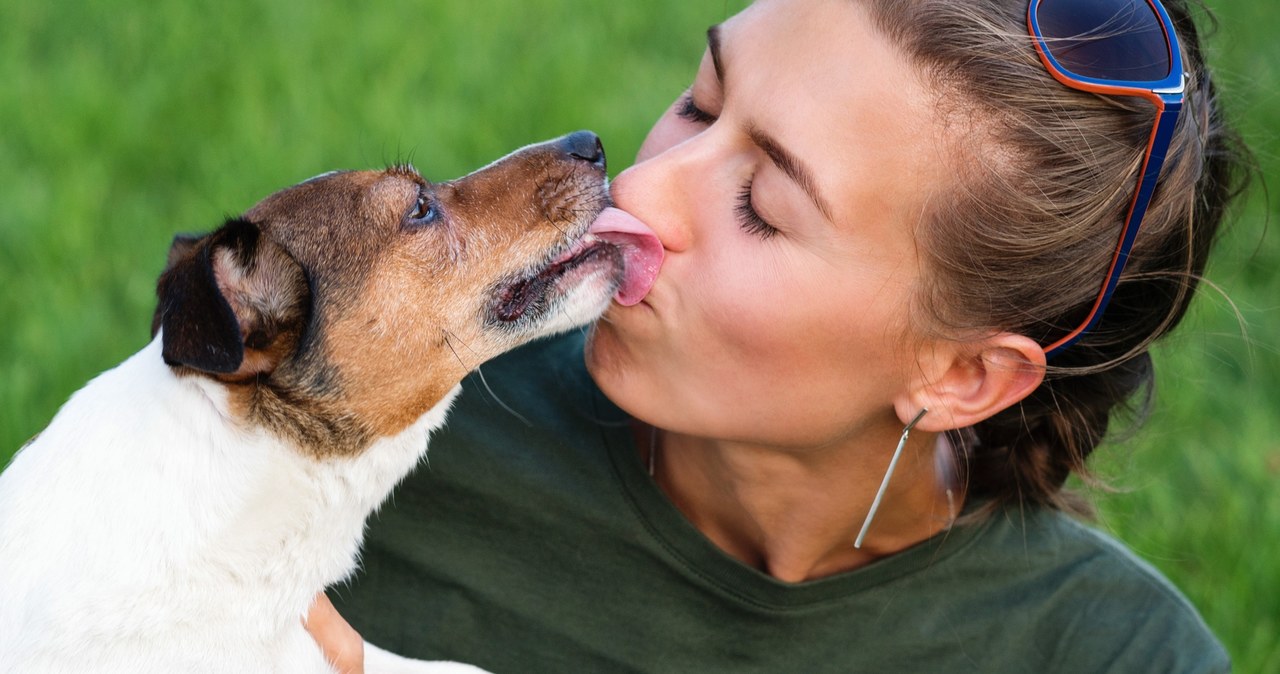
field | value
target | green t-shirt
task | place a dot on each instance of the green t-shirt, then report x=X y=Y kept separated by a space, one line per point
x=538 y=543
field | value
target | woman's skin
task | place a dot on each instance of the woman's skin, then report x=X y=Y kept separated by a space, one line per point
x=342 y=645
x=778 y=356
x=781 y=360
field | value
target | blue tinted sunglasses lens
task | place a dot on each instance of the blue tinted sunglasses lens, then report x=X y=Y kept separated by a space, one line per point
x=1120 y=40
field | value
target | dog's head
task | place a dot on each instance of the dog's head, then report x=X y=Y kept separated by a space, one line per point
x=343 y=308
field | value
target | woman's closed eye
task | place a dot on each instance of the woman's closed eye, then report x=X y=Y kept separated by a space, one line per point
x=687 y=110
x=749 y=218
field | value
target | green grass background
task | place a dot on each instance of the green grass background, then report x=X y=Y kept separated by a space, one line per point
x=122 y=123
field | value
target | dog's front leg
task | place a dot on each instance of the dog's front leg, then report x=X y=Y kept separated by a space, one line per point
x=378 y=661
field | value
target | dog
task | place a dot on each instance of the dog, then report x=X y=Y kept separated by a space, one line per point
x=181 y=511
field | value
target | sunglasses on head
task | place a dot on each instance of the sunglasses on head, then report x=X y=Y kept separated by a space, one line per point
x=1117 y=48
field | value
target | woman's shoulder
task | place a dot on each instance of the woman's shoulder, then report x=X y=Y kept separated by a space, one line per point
x=1083 y=590
x=1069 y=550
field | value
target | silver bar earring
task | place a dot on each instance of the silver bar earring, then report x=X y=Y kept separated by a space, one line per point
x=884 y=484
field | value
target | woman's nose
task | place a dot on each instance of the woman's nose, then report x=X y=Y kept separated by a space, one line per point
x=664 y=191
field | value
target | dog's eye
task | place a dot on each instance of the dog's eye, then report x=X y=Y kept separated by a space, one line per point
x=424 y=211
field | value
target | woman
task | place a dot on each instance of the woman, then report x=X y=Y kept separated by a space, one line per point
x=878 y=216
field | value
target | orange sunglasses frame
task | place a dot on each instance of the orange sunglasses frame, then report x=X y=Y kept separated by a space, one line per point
x=1166 y=95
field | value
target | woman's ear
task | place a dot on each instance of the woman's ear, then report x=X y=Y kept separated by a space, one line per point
x=963 y=384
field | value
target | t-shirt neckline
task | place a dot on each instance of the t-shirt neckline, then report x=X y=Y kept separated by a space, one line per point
x=701 y=558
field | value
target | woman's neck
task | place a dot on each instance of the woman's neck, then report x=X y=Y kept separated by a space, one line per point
x=795 y=514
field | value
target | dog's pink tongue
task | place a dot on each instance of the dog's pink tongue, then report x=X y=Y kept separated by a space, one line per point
x=641 y=252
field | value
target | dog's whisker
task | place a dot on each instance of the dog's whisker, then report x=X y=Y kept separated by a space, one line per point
x=448 y=340
x=466 y=345
x=496 y=398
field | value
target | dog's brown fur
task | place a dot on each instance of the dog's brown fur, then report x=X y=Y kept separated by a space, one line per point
x=342 y=320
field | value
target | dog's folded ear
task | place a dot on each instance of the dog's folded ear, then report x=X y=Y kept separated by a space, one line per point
x=182 y=246
x=231 y=303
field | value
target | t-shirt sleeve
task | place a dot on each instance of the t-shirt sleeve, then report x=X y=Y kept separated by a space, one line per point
x=1135 y=619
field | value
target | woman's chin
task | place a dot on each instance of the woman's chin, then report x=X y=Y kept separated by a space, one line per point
x=610 y=361
x=600 y=352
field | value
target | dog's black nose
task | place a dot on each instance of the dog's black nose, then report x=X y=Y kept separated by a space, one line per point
x=584 y=145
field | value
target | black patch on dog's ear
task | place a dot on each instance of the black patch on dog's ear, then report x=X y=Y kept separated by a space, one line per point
x=231 y=303
x=181 y=247
x=200 y=329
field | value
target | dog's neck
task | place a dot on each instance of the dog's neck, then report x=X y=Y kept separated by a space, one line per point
x=297 y=520
x=230 y=506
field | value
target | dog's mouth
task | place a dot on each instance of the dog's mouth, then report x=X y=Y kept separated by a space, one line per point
x=531 y=294
x=625 y=252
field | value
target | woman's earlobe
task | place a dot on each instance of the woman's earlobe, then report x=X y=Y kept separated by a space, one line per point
x=976 y=383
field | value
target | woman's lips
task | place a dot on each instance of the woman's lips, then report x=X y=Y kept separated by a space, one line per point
x=641 y=252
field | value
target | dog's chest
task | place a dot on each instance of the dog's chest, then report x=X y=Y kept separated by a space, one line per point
x=141 y=521
x=300 y=529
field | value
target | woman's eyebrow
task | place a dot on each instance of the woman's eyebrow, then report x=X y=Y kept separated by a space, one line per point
x=787 y=162
x=793 y=167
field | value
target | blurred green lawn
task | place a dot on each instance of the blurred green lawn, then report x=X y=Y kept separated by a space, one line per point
x=122 y=123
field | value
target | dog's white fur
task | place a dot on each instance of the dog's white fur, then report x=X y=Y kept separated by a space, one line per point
x=206 y=543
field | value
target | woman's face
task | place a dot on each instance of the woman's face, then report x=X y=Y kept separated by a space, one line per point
x=786 y=187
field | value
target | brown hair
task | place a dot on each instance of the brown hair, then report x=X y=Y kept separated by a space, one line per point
x=1022 y=241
